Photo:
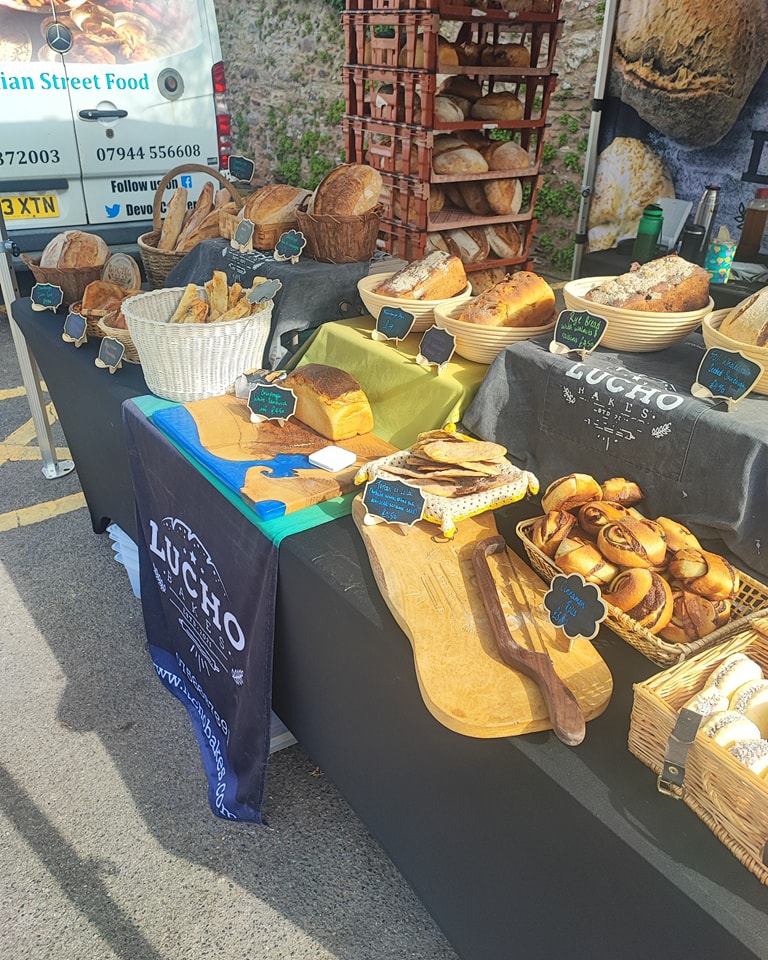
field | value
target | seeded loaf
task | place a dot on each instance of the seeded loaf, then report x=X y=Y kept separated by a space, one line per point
x=330 y=401
x=665 y=285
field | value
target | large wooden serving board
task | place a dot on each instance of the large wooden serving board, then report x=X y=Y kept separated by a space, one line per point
x=429 y=586
x=264 y=462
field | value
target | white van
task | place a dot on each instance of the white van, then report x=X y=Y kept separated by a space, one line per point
x=98 y=101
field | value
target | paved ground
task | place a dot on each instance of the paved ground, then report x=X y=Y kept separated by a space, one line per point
x=108 y=848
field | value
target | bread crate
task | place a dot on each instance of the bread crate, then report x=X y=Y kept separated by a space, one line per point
x=390 y=148
x=405 y=39
x=391 y=96
x=730 y=799
x=752 y=596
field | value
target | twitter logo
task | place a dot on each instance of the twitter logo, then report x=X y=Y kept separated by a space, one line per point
x=112 y=211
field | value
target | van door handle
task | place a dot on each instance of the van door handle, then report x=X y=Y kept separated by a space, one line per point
x=102 y=114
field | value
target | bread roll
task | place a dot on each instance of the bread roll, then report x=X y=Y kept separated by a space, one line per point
x=501 y=105
x=707 y=701
x=644 y=596
x=461 y=160
x=435 y=276
x=632 y=543
x=736 y=669
x=574 y=556
x=505 y=241
x=549 y=531
x=347 y=191
x=677 y=535
x=677 y=64
x=619 y=490
x=330 y=401
x=569 y=493
x=694 y=616
x=752 y=754
x=522 y=300
x=705 y=573
x=596 y=514
x=748 y=321
x=668 y=284
x=74 y=249
x=505 y=197
x=726 y=727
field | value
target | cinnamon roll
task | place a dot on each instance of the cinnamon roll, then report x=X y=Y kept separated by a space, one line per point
x=677 y=535
x=593 y=516
x=643 y=595
x=548 y=532
x=705 y=573
x=632 y=543
x=619 y=490
x=570 y=492
x=578 y=556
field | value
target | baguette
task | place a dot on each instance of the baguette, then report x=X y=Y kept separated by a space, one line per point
x=174 y=220
x=200 y=212
x=187 y=298
x=207 y=229
x=217 y=290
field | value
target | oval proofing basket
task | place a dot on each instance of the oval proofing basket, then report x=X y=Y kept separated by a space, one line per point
x=192 y=361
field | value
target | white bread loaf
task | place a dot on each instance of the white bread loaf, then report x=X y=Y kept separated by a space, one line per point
x=748 y=320
x=475 y=200
x=504 y=240
x=436 y=276
x=505 y=155
x=505 y=55
x=330 y=401
x=523 y=299
x=74 y=249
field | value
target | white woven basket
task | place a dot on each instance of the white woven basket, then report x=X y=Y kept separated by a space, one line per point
x=192 y=361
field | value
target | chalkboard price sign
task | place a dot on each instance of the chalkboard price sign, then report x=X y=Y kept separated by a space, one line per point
x=394 y=323
x=436 y=347
x=575 y=606
x=264 y=291
x=267 y=401
x=577 y=330
x=290 y=246
x=393 y=501
x=46 y=296
x=242 y=239
x=726 y=374
x=75 y=327
x=241 y=168
x=111 y=353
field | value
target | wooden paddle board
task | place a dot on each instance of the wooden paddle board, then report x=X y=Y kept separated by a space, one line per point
x=267 y=463
x=429 y=586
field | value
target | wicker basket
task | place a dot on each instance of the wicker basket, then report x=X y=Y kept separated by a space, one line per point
x=340 y=239
x=730 y=799
x=159 y=263
x=92 y=318
x=192 y=361
x=72 y=281
x=131 y=354
x=752 y=596
x=265 y=235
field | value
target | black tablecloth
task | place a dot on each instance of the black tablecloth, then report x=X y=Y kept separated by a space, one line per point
x=632 y=415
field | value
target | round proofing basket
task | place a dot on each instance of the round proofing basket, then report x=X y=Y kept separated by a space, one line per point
x=479 y=342
x=192 y=361
x=422 y=310
x=72 y=281
x=159 y=263
x=333 y=239
x=634 y=331
x=710 y=329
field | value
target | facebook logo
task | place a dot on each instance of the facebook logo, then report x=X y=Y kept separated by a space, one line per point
x=186 y=180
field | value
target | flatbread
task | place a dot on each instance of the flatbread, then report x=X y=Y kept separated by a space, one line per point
x=446 y=451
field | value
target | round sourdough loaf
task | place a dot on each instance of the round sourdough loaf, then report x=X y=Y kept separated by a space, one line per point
x=504 y=196
x=460 y=160
x=505 y=55
x=274 y=203
x=748 y=321
x=74 y=249
x=505 y=155
x=347 y=191
x=502 y=105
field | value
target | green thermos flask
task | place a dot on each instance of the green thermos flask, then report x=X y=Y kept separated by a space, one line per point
x=648 y=233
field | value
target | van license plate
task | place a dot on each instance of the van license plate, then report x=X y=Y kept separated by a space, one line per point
x=29 y=208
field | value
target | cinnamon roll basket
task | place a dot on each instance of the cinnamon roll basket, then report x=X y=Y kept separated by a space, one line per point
x=752 y=596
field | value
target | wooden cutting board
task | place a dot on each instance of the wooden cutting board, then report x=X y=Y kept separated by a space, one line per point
x=264 y=462
x=429 y=586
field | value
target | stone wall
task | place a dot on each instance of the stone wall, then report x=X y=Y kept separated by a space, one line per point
x=284 y=59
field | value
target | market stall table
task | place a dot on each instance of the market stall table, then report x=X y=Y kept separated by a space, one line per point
x=515 y=845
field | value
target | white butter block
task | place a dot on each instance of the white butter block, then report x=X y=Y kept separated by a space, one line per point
x=332 y=458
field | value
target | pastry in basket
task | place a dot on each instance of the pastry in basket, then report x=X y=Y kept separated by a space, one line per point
x=330 y=401
x=570 y=492
x=436 y=276
x=707 y=701
x=632 y=543
x=619 y=490
x=748 y=320
x=694 y=616
x=751 y=699
x=643 y=595
x=523 y=299
x=705 y=573
x=597 y=513
x=666 y=285
x=549 y=531
x=677 y=535
x=726 y=727
x=736 y=669
x=575 y=555
x=101 y=297
x=753 y=754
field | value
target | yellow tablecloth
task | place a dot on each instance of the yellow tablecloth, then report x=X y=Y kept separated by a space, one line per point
x=406 y=398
